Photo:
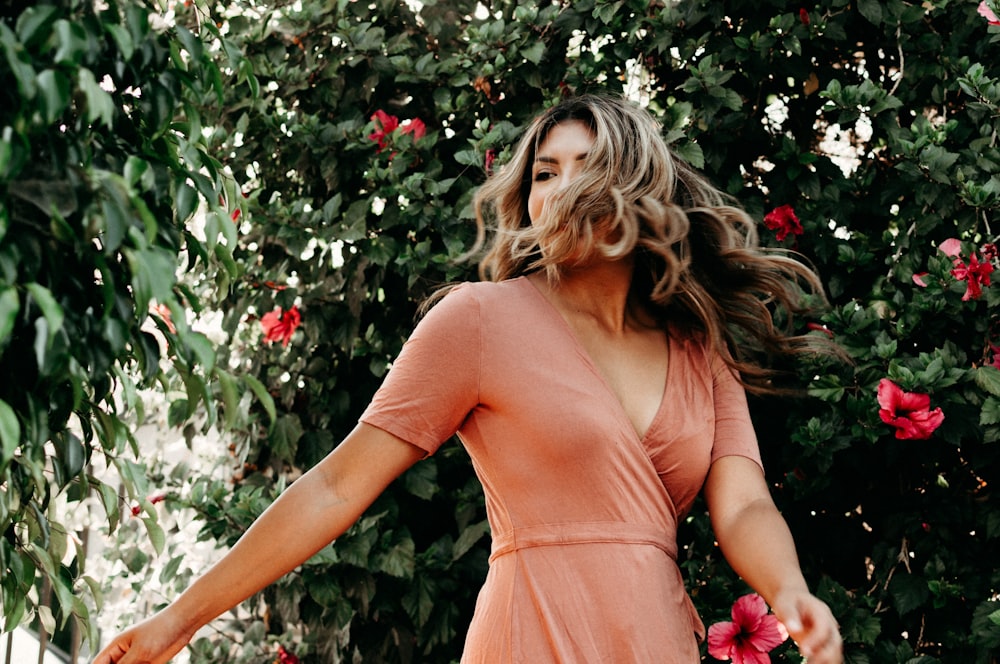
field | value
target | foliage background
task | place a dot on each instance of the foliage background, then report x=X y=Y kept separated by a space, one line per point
x=262 y=113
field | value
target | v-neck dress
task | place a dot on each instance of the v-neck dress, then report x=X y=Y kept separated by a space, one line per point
x=583 y=511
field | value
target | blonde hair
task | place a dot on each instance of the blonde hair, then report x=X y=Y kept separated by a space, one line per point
x=698 y=263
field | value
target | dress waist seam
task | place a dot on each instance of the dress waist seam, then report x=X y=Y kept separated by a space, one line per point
x=593 y=532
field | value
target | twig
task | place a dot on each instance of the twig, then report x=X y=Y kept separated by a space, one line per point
x=902 y=59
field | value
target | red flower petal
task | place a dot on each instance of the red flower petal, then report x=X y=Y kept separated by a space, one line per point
x=889 y=395
x=753 y=633
x=416 y=127
x=721 y=639
x=911 y=401
x=907 y=412
x=280 y=326
x=769 y=635
x=783 y=220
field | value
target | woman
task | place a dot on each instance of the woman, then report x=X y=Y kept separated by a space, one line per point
x=596 y=378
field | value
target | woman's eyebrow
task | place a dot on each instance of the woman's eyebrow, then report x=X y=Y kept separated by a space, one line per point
x=553 y=160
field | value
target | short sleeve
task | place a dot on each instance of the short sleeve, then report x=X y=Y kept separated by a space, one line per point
x=434 y=382
x=734 y=432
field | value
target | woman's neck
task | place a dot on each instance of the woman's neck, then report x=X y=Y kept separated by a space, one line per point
x=599 y=292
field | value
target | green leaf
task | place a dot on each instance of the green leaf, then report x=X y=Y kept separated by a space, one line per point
x=263 y=396
x=10 y=432
x=99 y=103
x=17 y=61
x=185 y=201
x=110 y=500
x=10 y=305
x=399 y=560
x=988 y=378
x=152 y=275
x=54 y=87
x=202 y=348
x=51 y=310
x=468 y=538
x=230 y=396
x=285 y=436
x=72 y=41
x=534 y=52
x=909 y=592
x=157 y=537
x=421 y=479
x=990 y=413
x=34 y=22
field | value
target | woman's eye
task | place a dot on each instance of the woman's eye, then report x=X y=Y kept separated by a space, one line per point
x=542 y=176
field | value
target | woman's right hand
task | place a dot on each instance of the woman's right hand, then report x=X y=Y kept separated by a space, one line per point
x=152 y=641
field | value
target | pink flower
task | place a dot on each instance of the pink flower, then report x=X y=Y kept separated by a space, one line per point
x=280 y=326
x=385 y=124
x=951 y=247
x=783 y=220
x=750 y=636
x=987 y=13
x=996 y=356
x=416 y=127
x=909 y=412
x=918 y=279
x=975 y=275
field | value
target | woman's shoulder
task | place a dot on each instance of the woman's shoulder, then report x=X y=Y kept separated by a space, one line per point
x=484 y=291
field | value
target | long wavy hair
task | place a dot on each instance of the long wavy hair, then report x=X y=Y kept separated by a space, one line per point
x=698 y=262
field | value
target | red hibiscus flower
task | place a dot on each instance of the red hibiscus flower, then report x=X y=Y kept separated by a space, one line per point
x=750 y=636
x=804 y=16
x=280 y=326
x=987 y=13
x=975 y=275
x=285 y=657
x=784 y=221
x=385 y=124
x=416 y=127
x=909 y=412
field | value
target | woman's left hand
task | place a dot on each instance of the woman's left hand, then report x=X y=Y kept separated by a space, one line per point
x=812 y=626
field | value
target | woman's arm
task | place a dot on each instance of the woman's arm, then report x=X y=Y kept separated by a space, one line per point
x=758 y=545
x=316 y=508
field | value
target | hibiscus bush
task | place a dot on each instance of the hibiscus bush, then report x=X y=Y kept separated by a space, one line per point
x=99 y=177
x=862 y=134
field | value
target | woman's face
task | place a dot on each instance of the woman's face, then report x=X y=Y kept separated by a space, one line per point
x=559 y=159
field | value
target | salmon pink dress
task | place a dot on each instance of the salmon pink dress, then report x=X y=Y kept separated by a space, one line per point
x=583 y=511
